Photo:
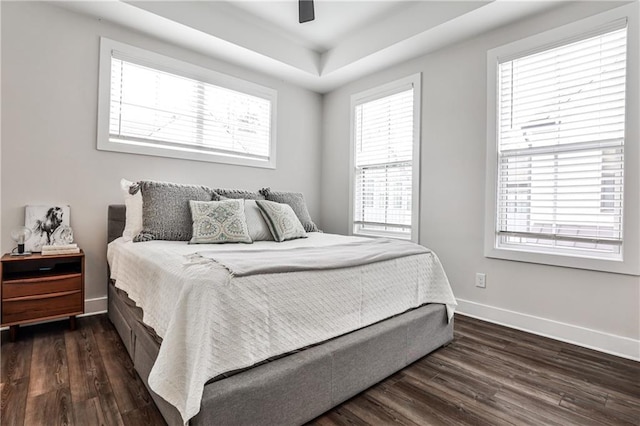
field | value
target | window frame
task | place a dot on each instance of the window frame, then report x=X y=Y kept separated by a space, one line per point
x=630 y=261
x=372 y=94
x=175 y=66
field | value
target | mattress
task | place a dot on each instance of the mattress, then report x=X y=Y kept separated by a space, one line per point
x=211 y=322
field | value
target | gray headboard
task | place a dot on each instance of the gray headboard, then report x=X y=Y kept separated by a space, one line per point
x=115 y=221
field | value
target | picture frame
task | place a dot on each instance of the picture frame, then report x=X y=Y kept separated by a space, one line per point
x=49 y=225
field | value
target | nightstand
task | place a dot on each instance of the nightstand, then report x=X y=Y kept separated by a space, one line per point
x=37 y=288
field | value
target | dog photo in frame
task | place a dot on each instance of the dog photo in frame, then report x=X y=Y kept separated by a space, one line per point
x=47 y=224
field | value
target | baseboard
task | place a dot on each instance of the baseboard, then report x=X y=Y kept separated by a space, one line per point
x=604 y=342
x=93 y=306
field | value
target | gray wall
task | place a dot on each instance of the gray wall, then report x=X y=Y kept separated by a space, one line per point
x=49 y=110
x=549 y=300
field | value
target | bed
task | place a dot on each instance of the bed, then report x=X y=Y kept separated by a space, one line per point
x=284 y=388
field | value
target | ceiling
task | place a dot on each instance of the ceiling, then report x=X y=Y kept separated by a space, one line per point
x=347 y=40
x=335 y=20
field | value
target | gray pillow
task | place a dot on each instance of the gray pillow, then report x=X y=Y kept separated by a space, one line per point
x=258 y=228
x=165 y=210
x=239 y=193
x=297 y=203
x=219 y=222
x=282 y=221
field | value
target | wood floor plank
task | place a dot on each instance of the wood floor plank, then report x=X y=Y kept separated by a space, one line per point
x=622 y=380
x=464 y=384
x=586 y=380
x=598 y=413
x=509 y=333
x=339 y=416
x=462 y=396
x=100 y=324
x=626 y=407
x=143 y=416
x=88 y=372
x=14 y=401
x=49 y=370
x=474 y=363
x=563 y=379
x=413 y=410
x=586 y=354
x=440 y=403
x=349 y=417
x=128 y=389
x=16 y=360
x=89 y=412
x=109 y=407
x=418 y=370
x=547 y=414
x=615 y=365
x=104 y=400
x=16 y=366
x=482 y=337
x=324 y=420
x=108 y=403
x=50 y=408
x=375 y=414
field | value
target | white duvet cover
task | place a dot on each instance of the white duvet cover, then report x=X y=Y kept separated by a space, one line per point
x=211 y=322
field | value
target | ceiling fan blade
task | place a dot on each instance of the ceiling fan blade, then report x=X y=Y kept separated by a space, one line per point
x=305 y=9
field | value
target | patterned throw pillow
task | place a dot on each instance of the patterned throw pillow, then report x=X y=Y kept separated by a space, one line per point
x=165 y=209
x=219 y=222
x=282 y=220
x=297 y=203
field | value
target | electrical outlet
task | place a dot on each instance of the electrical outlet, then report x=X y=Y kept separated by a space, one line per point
x=481 y=280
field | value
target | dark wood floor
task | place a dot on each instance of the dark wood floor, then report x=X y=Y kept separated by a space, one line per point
x=54 y=376
x=489 y=375
x=493 y=375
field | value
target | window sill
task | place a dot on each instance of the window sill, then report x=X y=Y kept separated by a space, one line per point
x=105 y=144
x=624 y=267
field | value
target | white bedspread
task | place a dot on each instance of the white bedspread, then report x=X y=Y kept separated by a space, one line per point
x=212 y=323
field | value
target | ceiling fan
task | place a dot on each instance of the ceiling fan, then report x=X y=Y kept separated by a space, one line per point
x=305 y=11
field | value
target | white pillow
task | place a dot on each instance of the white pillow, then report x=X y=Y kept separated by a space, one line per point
x=133 y=217
x=258 y=228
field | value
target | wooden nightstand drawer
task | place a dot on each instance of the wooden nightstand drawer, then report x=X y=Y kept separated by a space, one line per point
x=41 y=285
x=42 y=306
x=36 y=288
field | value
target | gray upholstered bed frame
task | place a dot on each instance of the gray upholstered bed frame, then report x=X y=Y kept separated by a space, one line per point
x=298 y=387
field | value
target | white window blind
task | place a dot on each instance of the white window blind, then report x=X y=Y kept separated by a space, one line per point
x=561 y=127
x=153 y=104
x=384 y=165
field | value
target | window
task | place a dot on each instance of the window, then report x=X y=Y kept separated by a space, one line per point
x=385 y=162
x=557 y=149
x=154 y=105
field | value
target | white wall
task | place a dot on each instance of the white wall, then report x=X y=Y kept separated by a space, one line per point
x=590 y=308
x=49 y=110
x=49 y=106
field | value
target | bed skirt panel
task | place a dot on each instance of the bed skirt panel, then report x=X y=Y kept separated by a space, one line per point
x=122 y=325
x=299 y=387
